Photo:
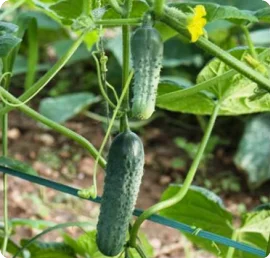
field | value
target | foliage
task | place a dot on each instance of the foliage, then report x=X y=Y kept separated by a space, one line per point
x=254 y=150
x=235 y=82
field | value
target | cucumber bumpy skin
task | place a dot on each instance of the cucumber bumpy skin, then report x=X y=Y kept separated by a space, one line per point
x=124 y=172
x=147 y=53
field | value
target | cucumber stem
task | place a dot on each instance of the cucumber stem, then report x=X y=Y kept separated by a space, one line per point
x=184 y=189
x=249 y=42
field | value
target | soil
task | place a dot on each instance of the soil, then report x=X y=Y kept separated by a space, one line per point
x=55 y=157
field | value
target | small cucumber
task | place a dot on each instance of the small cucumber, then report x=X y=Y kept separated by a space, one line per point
x=122 y=182
x=147 y=53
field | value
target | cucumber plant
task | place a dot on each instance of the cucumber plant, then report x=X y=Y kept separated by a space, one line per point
x=235 y=82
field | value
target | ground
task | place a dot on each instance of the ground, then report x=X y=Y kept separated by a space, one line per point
x=57 y=158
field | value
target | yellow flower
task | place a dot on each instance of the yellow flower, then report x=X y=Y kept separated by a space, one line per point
x=196 y=23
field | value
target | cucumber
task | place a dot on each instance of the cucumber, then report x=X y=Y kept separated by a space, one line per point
x=147 y=53
x=122 y=182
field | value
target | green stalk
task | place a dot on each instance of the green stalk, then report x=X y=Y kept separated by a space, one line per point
x=10 y=10
x=57 y=127
x=5 y=154
x=140 y=251
x=213 y=49
x=44 y=80
x=5 y=182
x=184 y=189
x=115 y=5
x=119 y=22
x=231 y=250
x=159 y=7
x=126 y=60
x=249 y=42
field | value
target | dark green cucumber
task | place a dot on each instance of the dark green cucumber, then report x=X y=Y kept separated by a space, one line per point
x=147 y=53
x=122 y=182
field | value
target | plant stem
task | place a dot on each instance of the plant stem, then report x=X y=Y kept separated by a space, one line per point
x=57 y=127
x=249 y=42
x=5 y=154
x=140 y=251
x=119 y=22
x=159 y=7
x=213 y=49
x=184 y=189
x=5 y=182
x=44 y=80
x=115 y=5
x=126 y=60
x=13 y=8
x=231 y=250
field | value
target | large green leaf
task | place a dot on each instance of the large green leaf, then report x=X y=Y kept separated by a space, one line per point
x=62 y=108
x=263 y=14
x=176 y=53
x=220 y=12
x=261 y=37
x=61 y=46
x=44 y=21
x=63 y=11
x=68 y=9
x=86 y=246
x=241 y=4
x=139 y=7
x=7 y=43
x=253 y=154
x=203 y=210
x=12 y=247
x=17 y=165
x=254 y=231
x=49 y=250
x=233 y=90
x=7 y=27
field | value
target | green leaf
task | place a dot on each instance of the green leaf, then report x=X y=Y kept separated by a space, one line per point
x=62 y=108
x=68 y=9
x=7 y=43
x=203 y=210
x=261 y=37
x=86 y=245
x=8 y=27
x=44 y=21
x=176 y=53
x=220 y=12
x=61 y=46
x=12 y=247
x=49 y=250
x=241 y=4
x=165 y=31
x=254 y=231
x=139 y=7
x=20 y=66
x=233 y=90
x=196 y=103
x=17 y=165
x=263 y=14
x=254 y=150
